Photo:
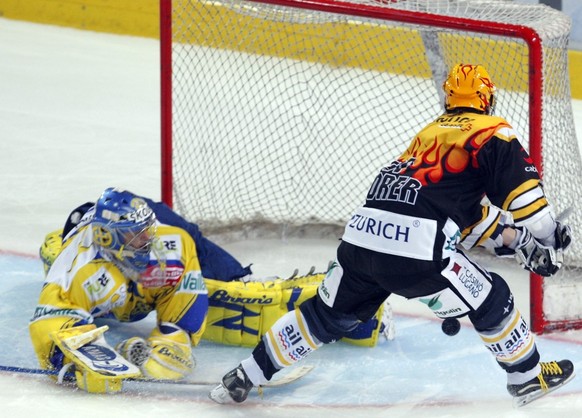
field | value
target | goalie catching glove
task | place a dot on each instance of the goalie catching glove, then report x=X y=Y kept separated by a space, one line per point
x=165 y=355
x=536 y=257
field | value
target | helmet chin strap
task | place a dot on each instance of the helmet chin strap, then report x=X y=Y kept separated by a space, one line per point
x=119 y=254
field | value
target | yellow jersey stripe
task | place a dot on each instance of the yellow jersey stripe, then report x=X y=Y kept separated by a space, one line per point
x=304 y=330
x=508 y=329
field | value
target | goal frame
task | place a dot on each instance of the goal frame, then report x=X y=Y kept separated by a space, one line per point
x=539 y=324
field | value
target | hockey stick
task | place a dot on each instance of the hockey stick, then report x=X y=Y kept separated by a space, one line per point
x=565 y=214
x=294 y=375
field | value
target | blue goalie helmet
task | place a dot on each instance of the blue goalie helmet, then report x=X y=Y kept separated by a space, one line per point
x=124 y=227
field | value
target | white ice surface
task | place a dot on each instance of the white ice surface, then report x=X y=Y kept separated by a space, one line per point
x=79 y=112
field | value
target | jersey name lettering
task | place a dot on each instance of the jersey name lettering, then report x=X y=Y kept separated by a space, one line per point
x=391 y=185
x=455 y=122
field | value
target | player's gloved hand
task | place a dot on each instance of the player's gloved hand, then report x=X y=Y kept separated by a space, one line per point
x=544 y=260
x=166 y=355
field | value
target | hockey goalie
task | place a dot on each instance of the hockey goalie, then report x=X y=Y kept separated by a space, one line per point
x=125 y=257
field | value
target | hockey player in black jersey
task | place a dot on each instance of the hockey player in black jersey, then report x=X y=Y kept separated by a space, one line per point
x=464 y=180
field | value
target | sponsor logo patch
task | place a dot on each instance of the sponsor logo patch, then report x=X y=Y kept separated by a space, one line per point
x=193 y=282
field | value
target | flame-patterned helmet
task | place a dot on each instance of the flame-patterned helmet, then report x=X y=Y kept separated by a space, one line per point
x=469 y=86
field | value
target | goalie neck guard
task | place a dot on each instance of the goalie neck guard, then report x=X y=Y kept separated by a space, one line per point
x=124 y=228
x=469 y=87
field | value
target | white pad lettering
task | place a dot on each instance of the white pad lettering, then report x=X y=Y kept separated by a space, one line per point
x=289 y=339
x=512 y=342
x=473 y=284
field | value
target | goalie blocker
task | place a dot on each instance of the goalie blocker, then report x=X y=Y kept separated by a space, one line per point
x=97 y=366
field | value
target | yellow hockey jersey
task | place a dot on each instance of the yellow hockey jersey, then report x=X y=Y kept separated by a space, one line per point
x=82 y=285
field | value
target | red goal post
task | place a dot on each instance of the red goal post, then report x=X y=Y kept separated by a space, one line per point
x=261 y=100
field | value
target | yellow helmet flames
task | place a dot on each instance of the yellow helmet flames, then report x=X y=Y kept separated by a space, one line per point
x=469 y=86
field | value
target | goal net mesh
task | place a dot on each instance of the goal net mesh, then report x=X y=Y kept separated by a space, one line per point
x=282 y=115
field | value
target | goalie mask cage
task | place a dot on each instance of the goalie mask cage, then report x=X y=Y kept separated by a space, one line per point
x=277 y=114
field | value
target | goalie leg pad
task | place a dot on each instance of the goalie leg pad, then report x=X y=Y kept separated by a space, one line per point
x=240 y=313
x=368 y=333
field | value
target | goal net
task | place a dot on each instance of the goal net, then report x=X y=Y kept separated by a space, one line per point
x=277 y=114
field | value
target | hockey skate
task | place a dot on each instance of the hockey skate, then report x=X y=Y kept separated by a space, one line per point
x=553 y=375
x=235 y=387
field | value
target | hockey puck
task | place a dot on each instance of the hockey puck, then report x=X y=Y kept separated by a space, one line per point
x=451 y=326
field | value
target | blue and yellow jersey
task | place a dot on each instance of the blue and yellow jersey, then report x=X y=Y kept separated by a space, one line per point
x=82 y=285
x=172 y=285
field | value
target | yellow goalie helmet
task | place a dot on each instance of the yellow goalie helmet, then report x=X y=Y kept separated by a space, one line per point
x=469 y=86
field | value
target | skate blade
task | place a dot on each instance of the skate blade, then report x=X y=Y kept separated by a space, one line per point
x=520 y=401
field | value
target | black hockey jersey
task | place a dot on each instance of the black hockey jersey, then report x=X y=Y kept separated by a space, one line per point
x=423 y=203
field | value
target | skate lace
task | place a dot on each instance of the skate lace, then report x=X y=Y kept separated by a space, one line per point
x=551 y=368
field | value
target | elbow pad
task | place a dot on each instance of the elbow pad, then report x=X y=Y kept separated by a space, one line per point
x=543 y=229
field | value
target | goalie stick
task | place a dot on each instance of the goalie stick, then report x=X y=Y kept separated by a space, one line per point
x=294 y=375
